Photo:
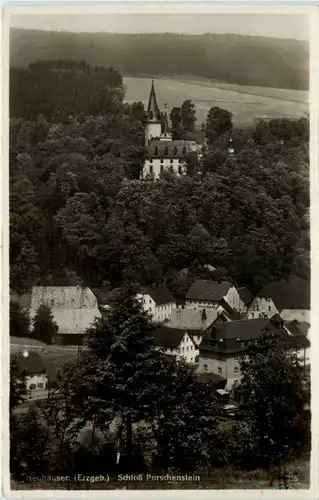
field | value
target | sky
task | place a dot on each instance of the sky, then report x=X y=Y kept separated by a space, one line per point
x=270 y=25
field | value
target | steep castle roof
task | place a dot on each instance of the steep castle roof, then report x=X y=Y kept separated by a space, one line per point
x=171 y=149
x=153 y=112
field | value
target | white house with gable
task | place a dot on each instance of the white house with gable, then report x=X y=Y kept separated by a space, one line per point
x=204 y=294
x=158 y=302
x=176 y=342
x=290 y=299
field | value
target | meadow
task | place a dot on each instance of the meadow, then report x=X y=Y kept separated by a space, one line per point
x=247 y=103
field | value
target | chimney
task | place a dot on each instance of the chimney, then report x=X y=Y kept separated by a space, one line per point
x=204 y=315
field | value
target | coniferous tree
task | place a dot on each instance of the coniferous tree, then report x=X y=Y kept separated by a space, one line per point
x=44 y=326
x=176 y=121
x=273 y=401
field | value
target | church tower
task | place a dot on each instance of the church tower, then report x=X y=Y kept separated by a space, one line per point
x=153 y=127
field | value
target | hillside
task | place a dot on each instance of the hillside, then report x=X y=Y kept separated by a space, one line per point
x=235 y=59
x=247 y=104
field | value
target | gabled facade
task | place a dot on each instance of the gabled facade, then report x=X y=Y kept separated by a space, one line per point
x=176 y=343
x=36 y=379
x=204 y=294
x=291 y=299
x=157 y=302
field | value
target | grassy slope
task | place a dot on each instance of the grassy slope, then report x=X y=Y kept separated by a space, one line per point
x=245 y=102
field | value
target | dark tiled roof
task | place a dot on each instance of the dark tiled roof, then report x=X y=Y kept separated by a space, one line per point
x=168 y=337
x=291 y=294
x=207 y=290
x=170 y=149
x=298 y=328
x=246 y=295
x=233 y=336
x=160 y=294
x=296 y=341
x=32 y=364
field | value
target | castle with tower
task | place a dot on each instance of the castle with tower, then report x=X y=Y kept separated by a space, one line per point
x=164 y=153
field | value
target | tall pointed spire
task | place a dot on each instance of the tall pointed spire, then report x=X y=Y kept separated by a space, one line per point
x=153 y=112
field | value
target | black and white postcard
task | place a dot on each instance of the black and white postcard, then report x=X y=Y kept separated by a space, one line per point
x=159 y=326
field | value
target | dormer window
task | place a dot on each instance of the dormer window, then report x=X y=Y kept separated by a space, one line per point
x=184 y=150
x=156 y=151
x=166 y=151
x=175 y=151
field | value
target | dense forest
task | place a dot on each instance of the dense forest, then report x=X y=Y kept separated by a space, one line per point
x=244 y=60
x=79 y=213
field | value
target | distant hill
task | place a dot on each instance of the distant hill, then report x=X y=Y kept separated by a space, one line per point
x=244 y=60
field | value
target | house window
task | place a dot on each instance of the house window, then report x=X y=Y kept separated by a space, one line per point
x=187 y=349
x=252 y=315
x=151 y=169
x=236 y=369
x=162 y=169
x=171 y=161
x=32 y=387
x=269 y=308
x=219 y=370
x=179 y=169
x=205 y=368
x=40 y=386
x=257 y=307
x=151 y=161
x=162 y=161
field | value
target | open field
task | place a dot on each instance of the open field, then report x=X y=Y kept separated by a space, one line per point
x=247 y=103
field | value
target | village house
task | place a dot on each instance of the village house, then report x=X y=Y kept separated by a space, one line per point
x=224 y=344
x=158 y=302
x=32 y=366
x=196 y=321
x=164 y=153
x=176 y=342
x=291 y=299
x=203 y=294
x=74 y=310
